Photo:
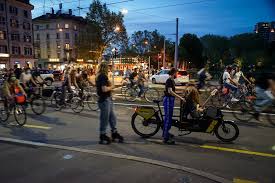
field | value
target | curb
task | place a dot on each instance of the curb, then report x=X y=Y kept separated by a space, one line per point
x=122 y=156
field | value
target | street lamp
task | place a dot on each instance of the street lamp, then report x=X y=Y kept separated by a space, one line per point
x=117 y=29
x=124 y=11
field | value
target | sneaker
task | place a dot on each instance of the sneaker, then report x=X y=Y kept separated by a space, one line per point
x=234 y=100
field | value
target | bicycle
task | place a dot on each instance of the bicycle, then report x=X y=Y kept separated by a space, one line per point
x=70 y=99
x=88 y=97
x=147 y=121
x=19 y=113
x=36 y=100
x=150 y=94
x=247 y=114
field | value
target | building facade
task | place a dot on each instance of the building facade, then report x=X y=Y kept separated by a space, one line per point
x=16 y=39
x=56 y=36
x=266 y=30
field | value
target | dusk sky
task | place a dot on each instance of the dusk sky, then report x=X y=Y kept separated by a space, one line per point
x=223 y=17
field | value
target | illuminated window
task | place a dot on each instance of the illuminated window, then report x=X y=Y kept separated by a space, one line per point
x=14 y=23
x=27 y=39
x=58 y=26
x=66 y=26
x=75 y=28
x=67 y=46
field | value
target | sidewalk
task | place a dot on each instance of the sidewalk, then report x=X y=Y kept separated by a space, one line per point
x=29 y=164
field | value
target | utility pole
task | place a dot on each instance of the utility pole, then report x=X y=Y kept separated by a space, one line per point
x=149 y=67
x=164 y=54
x=176 y=44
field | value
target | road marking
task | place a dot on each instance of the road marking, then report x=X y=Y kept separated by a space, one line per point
x=238 y=151
x=200 y=173
x=242 y=181
x=38 y=126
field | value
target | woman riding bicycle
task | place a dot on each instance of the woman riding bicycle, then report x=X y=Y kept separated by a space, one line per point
x=11 y=88
x=168 y=102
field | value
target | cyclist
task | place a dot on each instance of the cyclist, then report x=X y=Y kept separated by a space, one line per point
x=11 y=87
x=69 y=83
x=237 y=74
x=229 y=83
x=203 y=75
x=141 y=80
x=265 y=93
x=168 y=102
x=133 y=77
x=27 y=80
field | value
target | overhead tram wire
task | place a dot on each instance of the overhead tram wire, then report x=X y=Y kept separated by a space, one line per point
x=171 y=5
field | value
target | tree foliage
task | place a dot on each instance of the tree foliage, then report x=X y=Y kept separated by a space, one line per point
x=101 y=30
x=190 y=50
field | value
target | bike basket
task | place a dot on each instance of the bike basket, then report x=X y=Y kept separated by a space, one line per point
x=212 y=112
x=145 y=112
x=20 y=99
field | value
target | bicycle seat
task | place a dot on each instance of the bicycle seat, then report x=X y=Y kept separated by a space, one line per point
x=156 y=101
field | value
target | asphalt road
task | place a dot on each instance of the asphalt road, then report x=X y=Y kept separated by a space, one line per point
x=251 y=157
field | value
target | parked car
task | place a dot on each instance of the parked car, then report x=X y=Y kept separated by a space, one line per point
x=118 y=73
x=57 y=75
x=162 y=76
x=46 y=75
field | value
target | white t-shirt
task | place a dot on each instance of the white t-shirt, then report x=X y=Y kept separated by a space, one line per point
x=226 y=76
x=237 y=76
x=25 y=78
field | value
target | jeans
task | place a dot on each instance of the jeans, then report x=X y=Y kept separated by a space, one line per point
x=168 y=103
x=107 y=115
x=201 y=83
x=233 y=88
x=264 y=99
x=141 y=90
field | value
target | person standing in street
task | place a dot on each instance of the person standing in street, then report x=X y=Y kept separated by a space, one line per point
x=168 y=102
x=105 y=104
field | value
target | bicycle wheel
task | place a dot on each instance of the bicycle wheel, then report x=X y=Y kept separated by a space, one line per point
x=38 y=105
x=131 y=94
x=270 y=115
x=145 y=128
x=227 y=131
x=77 y=105
x=20 y=115
x=92 y=102
x=151 y=94
x=243 y=115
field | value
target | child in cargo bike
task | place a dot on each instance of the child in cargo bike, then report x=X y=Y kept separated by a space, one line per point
x=192 y=106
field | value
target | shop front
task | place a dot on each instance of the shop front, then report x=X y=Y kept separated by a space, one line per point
x=4 y=60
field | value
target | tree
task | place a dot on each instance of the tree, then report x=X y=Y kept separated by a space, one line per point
x=216 y=48
x=190 y=50
x=146 y=43
x=104 y=28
